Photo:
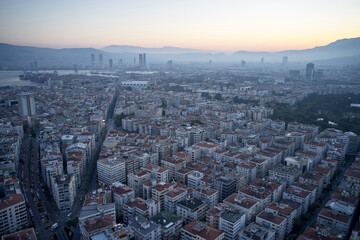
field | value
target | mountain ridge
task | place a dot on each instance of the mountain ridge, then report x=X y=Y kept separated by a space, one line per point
x=13 y=56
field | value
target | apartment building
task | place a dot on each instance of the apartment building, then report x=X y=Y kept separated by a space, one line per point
x=13 y=214
x=64 y=191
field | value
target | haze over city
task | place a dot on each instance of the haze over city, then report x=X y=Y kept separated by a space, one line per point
x=180 y=120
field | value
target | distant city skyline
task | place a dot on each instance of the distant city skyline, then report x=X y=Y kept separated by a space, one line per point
x=227 y=26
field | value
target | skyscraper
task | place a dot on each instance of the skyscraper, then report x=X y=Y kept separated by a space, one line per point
x=92 y=60
x=140 y=60
x=285 y=60
x=26 y=104
x=100 y=60
x=76 y=69
x=36 y=66
x=144 y=59
x=110 y=63
x=310 y=70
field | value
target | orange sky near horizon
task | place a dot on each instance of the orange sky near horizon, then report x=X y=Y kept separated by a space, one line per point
x=228 y=26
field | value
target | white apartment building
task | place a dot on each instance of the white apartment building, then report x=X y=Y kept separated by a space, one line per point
x=208 y=195
x=111 y=170
x=173 y=165
x=191 y=209
x=247 y=169
x=160 y=173
x=64 y=191
x=194 y=178
x=273 y=222
x=13 y=215
x=283 y=211
x=122 y=195
x=197 y=230
x=172 y=198
x=298 y=196
x=232 y=223
x=136 y=180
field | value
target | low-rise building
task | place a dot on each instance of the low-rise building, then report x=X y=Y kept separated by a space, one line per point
x=285 y=174
x=225 y=186
x=262 y=196
x=283 y=211
x=111 y=170
x=208 y=195
x=299 y=196
x=170 y=225
x=273 y=222
x=94 y=210
x=173 y=165
x=26 y=234
x=242 y=203
x=160 y=173
x=145 y=229
x=122 y=195
x=247 y=169
x=172 y=198
x=335 y=220
x=136 y=180
x=158 y=192
x=200 y=231
x=95 y=226
x=255 y=231
x=194 y=178
x=231 y=223
x=181 y=175
x=191 y=209
x=316 y=179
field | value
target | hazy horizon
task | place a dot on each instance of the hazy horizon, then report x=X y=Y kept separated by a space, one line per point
x=228 y=26
x=167 y=46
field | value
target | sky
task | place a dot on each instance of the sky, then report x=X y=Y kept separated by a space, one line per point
x=221 y=25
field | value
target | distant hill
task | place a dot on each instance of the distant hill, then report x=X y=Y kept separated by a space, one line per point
x=162 y=50
x=337 y=49
x=12 y=56
x=341 y=52
x=340 y=61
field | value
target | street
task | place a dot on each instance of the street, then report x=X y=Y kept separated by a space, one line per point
x=326 y=196
x=42 y=212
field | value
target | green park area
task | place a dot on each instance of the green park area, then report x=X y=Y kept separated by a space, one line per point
x=333 y=110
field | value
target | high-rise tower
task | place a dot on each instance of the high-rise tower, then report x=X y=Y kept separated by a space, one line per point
x=92 y=60
x=144 y=59
x=100 y=60
x=26 y=104
x=310 y=70
x=284 y=60
x=140 y=60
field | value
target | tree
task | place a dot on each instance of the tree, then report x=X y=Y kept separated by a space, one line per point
x=197 y=121
x=218 y=96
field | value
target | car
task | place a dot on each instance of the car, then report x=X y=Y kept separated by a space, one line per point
x=54 y=226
